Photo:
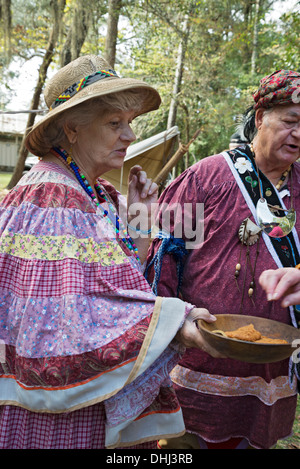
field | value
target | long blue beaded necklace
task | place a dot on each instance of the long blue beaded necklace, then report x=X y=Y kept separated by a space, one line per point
x=70 y=163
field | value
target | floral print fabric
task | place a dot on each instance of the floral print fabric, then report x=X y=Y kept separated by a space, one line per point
x=281 y=87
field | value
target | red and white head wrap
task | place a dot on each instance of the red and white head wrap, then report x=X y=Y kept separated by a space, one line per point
x=281 y=87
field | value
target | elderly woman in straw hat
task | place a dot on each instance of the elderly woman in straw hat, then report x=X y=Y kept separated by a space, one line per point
x=251 y=197
x=86 y=346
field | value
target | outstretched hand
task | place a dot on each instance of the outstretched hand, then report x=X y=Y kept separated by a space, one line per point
x=282 y=283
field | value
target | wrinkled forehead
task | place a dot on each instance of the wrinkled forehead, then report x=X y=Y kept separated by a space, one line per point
x=292 y=110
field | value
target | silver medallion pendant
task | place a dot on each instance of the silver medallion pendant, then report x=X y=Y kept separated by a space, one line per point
x=273 y=226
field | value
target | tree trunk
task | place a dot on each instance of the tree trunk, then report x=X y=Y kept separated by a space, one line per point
x=178 y=78
x=114 y=8
x=79 y=29
x=247 y=21
x=77 y=33
x=178 y=74
x=255 y=37
x=58 y=7
x=5 y=20
x=66 y=54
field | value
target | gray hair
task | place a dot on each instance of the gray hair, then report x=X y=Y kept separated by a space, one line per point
x=248 y=122
x=86 y=112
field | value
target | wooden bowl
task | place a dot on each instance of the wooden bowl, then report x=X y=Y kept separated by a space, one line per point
x=251 y=352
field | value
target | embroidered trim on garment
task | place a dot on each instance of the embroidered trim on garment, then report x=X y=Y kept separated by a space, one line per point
x=284 y=251
x=231 y=386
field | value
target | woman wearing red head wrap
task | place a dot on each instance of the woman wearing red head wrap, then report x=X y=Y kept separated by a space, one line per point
x=228 y=403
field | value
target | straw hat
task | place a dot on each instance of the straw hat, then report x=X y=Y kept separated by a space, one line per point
x=82 y=79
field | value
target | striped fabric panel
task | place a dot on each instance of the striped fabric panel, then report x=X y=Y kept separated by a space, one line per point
x=40 y=279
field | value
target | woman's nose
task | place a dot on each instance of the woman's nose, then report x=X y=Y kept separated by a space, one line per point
x=296 y=131
x=128 y=134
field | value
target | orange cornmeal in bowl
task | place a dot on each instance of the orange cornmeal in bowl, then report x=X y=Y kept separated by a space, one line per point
x=250 y=334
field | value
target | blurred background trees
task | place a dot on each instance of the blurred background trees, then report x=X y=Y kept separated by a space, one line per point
x=205 y=57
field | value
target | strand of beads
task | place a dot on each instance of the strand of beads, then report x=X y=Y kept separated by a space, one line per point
x=70 y=163
x=283 y=178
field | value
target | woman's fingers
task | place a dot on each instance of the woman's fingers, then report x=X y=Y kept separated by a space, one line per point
x=140 y=184
x=190 y=335
x=282 y=283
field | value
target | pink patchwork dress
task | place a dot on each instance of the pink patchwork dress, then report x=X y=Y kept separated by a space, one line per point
x=85 y=346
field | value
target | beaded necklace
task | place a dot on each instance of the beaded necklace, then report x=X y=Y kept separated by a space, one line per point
x=71 y=165
x=282 y=177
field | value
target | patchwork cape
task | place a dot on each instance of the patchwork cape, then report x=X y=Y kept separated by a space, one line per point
x=79 y=324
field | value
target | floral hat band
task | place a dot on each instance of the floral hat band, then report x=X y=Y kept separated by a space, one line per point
x=281 y=87
x=79 y=85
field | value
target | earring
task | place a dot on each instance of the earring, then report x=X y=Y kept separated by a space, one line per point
x=69 y=157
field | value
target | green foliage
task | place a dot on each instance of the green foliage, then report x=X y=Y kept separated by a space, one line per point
x=30 y=27
x=217 y=81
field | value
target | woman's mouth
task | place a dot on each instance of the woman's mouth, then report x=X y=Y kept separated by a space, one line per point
x=122 y=152
x=292 y=148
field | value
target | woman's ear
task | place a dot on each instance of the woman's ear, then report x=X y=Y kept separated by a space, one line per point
x=70 y=130
x=259 y=117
